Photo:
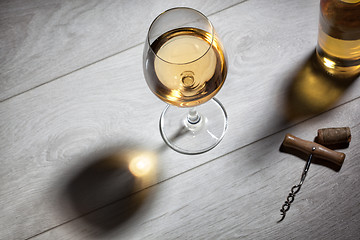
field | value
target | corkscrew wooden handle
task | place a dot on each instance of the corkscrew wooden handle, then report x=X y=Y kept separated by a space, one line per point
x=315 y=149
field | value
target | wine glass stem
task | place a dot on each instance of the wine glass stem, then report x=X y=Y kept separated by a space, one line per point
x=193 y=116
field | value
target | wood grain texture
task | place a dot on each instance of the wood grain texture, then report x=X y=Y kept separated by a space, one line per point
x=43 y=40
x=238 y=196
x=52 y=132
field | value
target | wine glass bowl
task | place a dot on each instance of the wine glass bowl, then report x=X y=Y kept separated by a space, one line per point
x=185 y=66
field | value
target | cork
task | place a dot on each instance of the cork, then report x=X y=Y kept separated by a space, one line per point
x=331 y=136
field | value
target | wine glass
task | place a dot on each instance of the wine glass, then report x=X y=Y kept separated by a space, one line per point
x=184 y=65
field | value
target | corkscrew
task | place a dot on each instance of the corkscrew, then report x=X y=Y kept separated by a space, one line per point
x=328 y=136
x=295 y=189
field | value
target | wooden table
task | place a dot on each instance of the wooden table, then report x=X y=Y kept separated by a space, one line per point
x=71 y=85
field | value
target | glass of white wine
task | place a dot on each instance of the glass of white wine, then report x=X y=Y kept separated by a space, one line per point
x=185 y=65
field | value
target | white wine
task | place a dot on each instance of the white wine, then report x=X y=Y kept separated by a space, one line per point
x=185 y=67
x=338 y=47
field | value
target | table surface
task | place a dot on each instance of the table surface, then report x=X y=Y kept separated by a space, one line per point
x=72 y=87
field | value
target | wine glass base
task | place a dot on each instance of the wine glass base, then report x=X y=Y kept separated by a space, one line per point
x=194 y=137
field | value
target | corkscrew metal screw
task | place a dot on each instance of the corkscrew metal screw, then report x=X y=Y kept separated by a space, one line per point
x=313 y=149
x=295 y=189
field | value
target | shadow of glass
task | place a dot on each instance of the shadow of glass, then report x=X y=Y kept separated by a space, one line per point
x=112 y=188
x=312 y=90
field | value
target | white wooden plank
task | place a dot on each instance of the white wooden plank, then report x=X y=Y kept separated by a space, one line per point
x=238 y=196
x=41 y=40
x=50 y=130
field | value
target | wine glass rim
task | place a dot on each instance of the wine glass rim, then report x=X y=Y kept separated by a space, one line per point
x=185 y=8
